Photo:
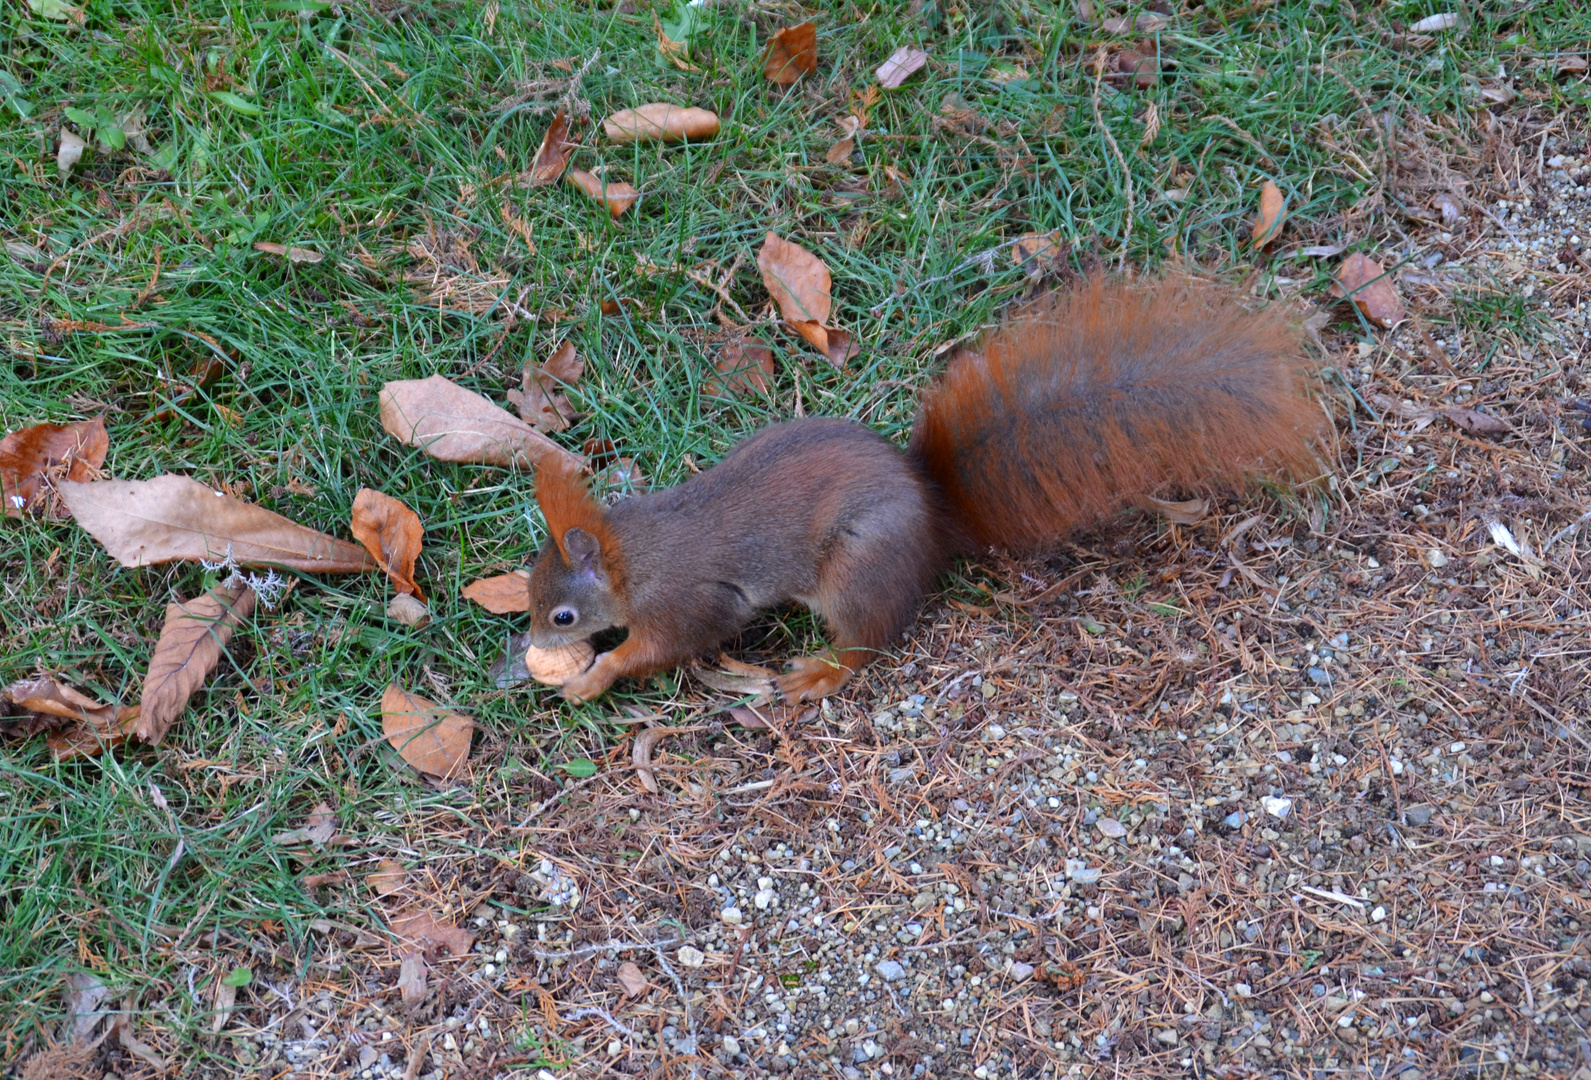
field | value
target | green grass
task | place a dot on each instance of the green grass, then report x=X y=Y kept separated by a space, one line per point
x=348 y=132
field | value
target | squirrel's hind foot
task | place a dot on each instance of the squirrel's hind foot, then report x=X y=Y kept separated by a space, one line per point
x=814 y=677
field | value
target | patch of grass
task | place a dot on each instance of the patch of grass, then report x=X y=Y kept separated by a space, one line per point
x=354 y=131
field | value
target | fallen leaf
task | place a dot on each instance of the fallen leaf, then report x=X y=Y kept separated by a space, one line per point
x=36 y=458
x=1448 y=205
x=388 y=877
x=132 y=1043
x=1476 y=423
x=422 y=930
x=554 y=667
x=799 y=283
x=392 y=533
x=792 y=53
x=540 y=399
x=1499 y=95
x=291 y=254
x=677 y=53
x=83 y=1001
x=408 y=611
x=1189 y=512
x=1037 y=251
x=841 y=151
x=143 y=522
x=553 y=154
x=453 y=424
x=42 y=694
x=70 y=153
x=59 y=11
x=503 y=594
x=660 y=120
x=1273 y=211
x=1573 y=65
x=226 y=996
x=744 y=368
x=1132 y=66
x=1147 y=23
x=902 y=65
x=1320 y=251
x=321 y=825
x=434 y=740
x=1371 y=289
x=646 y=741
x=1431 y=24
x=191 y=642
x=631 y=981
x=411 y=978
x=616 y=193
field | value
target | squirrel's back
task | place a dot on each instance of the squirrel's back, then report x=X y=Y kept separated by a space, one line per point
x=1100 y=396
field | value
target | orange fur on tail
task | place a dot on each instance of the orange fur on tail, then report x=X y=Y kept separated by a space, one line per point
x=1101 y=396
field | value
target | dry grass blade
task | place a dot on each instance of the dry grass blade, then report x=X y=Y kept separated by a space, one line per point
x=454 y=424
x=191 y=643
x=434 y=740
x=392 y=533
x=35 y=459
x=792 y=53
x=143 y=522
x=646 y=741
x=503 y=594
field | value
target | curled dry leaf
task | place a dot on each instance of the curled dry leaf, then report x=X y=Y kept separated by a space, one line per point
x=1431 y=24
x=1371 y=288
x=902 y=65
x=677 y=53
x=631 y=981
x=502 y=594
x=35 y=459
x=142 y=522
x=744 y=368
x=411 y=978
x=792 y=53
x=70 y=153
x=799 y=283
x=1475 y=423
x=554 y=667
x=454 y=424
x=434 y=740
x=1273 y=211
x=660 y=121
x=387 y=878
x=618 y=195
x=392 y=533
x=191 y=642
x=758 y=683
x=553 y=154
x=540 y=399
x=646 y=741
x=1147 y=23
x=1037 y=251
x=423 y=931
x=291 y=254
x=408 y=611
x=1188 y=512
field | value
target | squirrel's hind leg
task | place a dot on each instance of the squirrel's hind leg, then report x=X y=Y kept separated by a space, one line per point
x=868 y=593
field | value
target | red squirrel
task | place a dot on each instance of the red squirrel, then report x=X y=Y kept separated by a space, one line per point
x=1066 y=415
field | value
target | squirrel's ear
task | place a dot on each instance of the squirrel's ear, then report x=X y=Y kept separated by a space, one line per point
x=583 y=550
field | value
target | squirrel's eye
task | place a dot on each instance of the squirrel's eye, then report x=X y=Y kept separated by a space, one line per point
x=564 y=617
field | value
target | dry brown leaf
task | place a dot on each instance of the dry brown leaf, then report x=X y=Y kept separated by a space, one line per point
x=646 y=741
x=799 y=283
x=226 y=996
x=191 y=642
x=554 y=667
x=1476 y=423
x=143 y=522
x=1573 y=65
x=454 y=424
x=1037 y=251
x=43 y=695
x=792 y=53
x=1371 y=289
x=88 y=740
x=34 y=460
x=631 y=981
x=387 y=878
x=675 y=52
x=1273 y=211
x=618 y=195
x=1147 y=23
x=291 y=254
x=660 y=120
x=841 y=151
x=744 y=368
x=1188 y=512
x=540 y=399
x=411 y=978
x=902 y=65
x=423 y=931
x=502 y=594
x=407 y=611
x=553 y=154
x=70 y=153
x=434 y=740
x=392 y=533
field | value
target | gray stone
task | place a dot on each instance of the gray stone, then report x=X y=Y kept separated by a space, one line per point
x=891 y=970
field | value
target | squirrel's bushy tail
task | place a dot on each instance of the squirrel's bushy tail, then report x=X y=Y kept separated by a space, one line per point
x=1107 y=394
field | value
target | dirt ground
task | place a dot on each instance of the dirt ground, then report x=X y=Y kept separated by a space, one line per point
x=1299 y=790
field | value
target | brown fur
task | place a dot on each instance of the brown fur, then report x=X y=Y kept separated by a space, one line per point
x=1103 y=395
x=1067 y=415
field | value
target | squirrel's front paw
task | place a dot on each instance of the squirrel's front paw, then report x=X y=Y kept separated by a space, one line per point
x=590 y=683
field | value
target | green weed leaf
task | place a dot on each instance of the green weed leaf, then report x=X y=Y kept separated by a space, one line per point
x=236 y=103
x=580 y=767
